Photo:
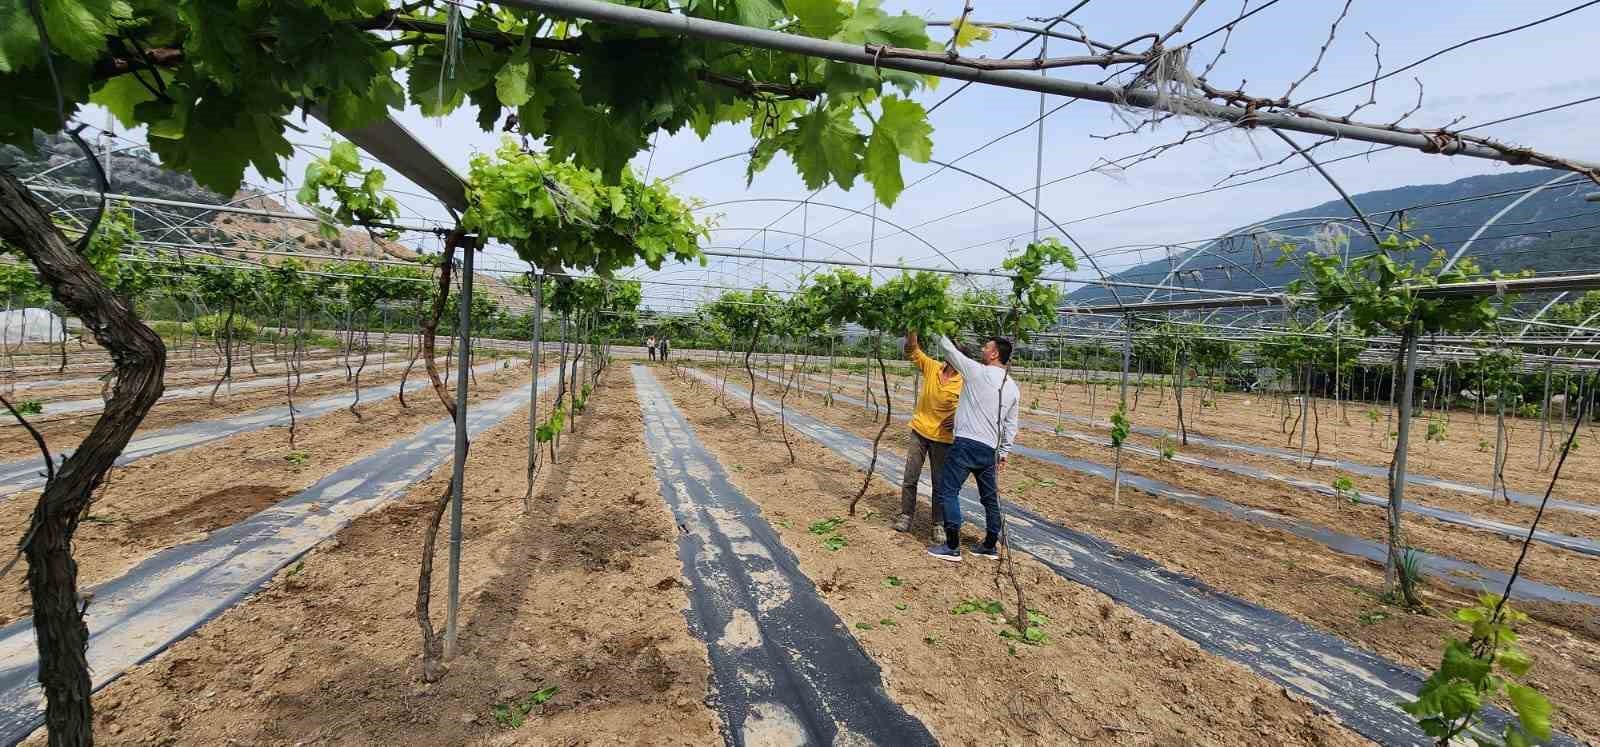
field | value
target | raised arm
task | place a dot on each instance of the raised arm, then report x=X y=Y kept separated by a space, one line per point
x=968 y=367
x=916 y=356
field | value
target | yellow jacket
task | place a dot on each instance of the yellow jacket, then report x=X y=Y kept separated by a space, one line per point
x=936 y=402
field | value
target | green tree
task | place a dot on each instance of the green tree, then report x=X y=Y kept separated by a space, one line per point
x=1382 y=294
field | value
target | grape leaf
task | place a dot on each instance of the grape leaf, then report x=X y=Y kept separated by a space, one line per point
x=77 y=30
x=968 y=33
x=902 y=130
x=819 y=18
x=825 y=143
x=511 y=83
x=1533 y=711
x=120 y=96
x=906 y=123
x=881 y=167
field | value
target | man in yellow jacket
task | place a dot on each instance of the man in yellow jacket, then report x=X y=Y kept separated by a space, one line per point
x=932 y=432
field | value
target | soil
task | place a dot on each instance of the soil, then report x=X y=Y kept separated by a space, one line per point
x=1449 y=460
x=167 y=499
x=1255 y=418
x=1280 y=571
x=64 y=434
x=583 y=594
x=1282 y=498
x=183 y=375
x=1106 y=676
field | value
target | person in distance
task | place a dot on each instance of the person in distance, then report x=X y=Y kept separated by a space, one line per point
x=650 y=345
x=932 y=431
x=985 y=428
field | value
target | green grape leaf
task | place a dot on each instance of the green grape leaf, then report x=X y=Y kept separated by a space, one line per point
x=825 y=143
x=819 y=18
x=968 y=33
x=906 y=123
x=881 y=167
x=761 y=14
x=77 y=29
x=121 y=95
x=1533 y=711
x=902 y=130
x=511 y=83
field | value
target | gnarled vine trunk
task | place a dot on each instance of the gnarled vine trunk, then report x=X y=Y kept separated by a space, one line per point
x=888 y=415
x=138 y=359
x=432 y=646
x=754 y=336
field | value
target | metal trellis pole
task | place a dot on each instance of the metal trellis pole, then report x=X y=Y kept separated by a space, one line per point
x=459 y=472
x=533 y=387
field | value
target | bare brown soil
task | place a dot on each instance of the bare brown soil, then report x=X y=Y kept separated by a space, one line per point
x=186 y=376
x=1283 y=572
x=582 y=595
x=1256 y=419
x=1466 y=454
x=1106 y=676
x=66 y=432
x=172 y=498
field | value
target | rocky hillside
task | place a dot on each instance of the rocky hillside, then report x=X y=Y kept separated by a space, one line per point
x=1554 y=230
x=135 y=172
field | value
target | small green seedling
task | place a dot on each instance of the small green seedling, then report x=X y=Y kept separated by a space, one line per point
x=835 y=543
x=1345 y=488
x=902 y=606
x=826 y=526
x=1119 y=426
x=513 y=714
x=297 y=457
x=930 y=640
x=1168 y=448
x=865 y=626
x=988 y=606
x=29 y=407
x=891 y=581
x=1033 y=634
x=887 y=622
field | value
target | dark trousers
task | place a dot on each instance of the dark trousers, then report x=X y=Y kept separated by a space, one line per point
x=922 y=449
x=968 y=457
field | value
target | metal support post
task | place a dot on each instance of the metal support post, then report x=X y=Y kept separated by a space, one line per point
x=459 y=471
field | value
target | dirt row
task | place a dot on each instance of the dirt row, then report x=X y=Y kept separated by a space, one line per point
x=1106 y=675
x=1465 y=455
x=1265 y=494
x=581 y=595
x=64 y=433
x=1431 y=459
x=1569 y=569
x=167 y=499
x=1278 y=570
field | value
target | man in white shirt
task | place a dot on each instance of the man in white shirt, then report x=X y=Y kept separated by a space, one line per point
x=986 y=427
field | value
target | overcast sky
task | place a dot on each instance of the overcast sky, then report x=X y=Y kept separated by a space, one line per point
x=1530 y=69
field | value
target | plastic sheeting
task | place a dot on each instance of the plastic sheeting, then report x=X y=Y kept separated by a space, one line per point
x=30 y=325
x=1362 y=689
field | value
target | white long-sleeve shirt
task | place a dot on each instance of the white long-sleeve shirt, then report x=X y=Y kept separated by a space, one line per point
x=985 y=402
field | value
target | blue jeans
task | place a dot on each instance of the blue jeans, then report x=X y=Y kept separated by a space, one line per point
x=967 y=457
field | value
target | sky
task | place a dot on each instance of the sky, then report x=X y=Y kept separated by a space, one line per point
x=1520 y=72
